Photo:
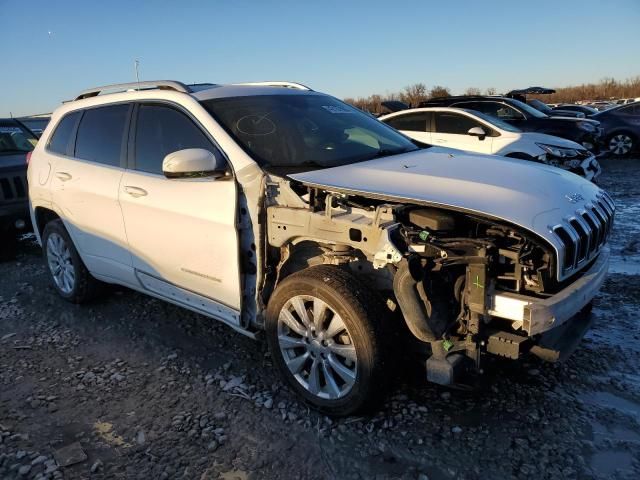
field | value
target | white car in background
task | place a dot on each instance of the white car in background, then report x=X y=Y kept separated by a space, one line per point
x=474 y=131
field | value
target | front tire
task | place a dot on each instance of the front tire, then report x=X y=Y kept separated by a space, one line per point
x=323 y=328
x=69 y=275
x=621 y=144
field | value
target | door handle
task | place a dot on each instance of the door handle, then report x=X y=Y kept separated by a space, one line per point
x=135 y=191
x=64 y=176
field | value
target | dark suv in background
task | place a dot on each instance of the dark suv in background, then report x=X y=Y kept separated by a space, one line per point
x=587 y=132
x=16 y=143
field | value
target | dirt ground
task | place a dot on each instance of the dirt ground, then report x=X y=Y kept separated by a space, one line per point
x=131 y=387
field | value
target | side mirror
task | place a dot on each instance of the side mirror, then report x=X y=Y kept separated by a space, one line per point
x=477 y=132
x=193 y=162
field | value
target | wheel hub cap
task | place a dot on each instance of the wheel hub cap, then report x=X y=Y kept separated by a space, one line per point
x=620 y=144
x=317 y=347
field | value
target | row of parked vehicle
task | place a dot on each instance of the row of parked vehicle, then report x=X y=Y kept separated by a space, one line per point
x=290 y=215
x=612 y=131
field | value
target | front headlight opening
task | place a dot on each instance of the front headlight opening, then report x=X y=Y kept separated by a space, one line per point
x=559 y=152
x=586 y=126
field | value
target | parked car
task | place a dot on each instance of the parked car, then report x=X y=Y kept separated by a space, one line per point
x=540 y=105
x=36 y=123
x=580 y=130
x=16 y=143
x=289 y=212
x=553 y=112
x=587 y=111
x=476 y=132
x=621 y=128
x=601 y=106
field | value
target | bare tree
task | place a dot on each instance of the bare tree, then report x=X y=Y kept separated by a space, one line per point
x=472 y=91
x=412 y=95
x=439 y=91
x=606 y=89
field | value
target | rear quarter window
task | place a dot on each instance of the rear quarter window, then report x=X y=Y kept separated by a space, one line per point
x=60 y=141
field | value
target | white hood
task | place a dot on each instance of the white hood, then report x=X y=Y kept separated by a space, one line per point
x=532 y=196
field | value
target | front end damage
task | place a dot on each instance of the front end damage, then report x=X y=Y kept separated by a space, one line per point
x=466 y=286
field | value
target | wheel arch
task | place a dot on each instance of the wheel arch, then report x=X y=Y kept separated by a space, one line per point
x=42 y=216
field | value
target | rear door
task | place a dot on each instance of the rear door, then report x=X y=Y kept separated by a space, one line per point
x=85 y=184
x=451 y=129
x=413 y=124
x=182 y=231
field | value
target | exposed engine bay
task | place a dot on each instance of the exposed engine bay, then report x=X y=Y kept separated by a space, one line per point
x=441 y=269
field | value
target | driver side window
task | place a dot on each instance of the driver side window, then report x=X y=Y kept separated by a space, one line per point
x=454 y=123
x=496 y=109
x=161 y=130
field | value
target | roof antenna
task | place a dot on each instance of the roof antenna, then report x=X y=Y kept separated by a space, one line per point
x=136 y=63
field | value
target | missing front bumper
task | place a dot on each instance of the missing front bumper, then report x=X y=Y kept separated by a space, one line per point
x=536 y=316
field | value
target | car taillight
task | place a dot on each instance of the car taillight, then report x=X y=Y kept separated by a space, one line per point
x=28 y=157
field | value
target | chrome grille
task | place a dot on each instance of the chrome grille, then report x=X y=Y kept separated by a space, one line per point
x=584 y=233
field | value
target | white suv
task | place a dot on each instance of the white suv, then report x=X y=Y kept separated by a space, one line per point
x=277 y=209
x=476 y=132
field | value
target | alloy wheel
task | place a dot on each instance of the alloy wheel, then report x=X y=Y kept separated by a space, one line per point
x=620 y=144
x=317 y=348
x=60 y=263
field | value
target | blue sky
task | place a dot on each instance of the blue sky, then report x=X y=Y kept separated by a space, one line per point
x=52 y=50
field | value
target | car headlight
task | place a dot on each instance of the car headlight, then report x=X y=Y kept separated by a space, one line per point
x=560 y=152
x=586 y=126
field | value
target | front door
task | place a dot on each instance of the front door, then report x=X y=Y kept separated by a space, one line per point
x=181 y=231
x=451 y=129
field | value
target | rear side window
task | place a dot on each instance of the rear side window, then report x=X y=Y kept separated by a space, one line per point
x=630 y=110
x=413 y=122
x=60 y=141
x=161 y=130
x=101 y=133
x=454 y=123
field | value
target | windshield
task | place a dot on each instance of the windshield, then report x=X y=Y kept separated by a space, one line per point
x=490 y=119
x=537 y=104
x=307 y=131
x=530 y=110
x=14 y=138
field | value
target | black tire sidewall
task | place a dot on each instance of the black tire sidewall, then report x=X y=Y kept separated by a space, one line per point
x=357 y=318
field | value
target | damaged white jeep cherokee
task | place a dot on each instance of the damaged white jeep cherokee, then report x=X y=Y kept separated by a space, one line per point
x=275 y=208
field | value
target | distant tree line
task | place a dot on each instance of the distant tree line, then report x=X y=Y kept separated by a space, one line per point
x=412 y=95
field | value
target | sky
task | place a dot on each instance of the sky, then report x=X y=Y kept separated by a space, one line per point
x=54 y=49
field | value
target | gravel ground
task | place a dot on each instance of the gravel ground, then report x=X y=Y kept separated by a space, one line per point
x=131 y=387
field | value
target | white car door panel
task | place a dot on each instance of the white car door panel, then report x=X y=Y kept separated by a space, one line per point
x=86 y=188
x=450 y=130
x=181 y=231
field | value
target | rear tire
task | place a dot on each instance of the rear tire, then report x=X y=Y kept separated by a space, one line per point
x=69 y=276
x=324 y=330
x=621 y=143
